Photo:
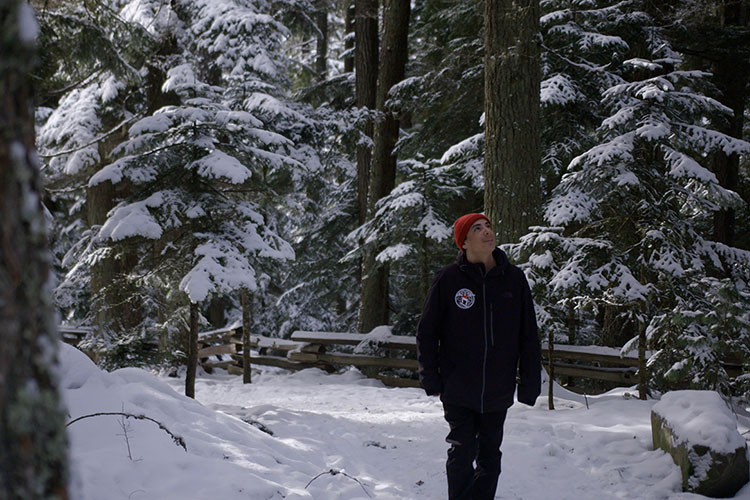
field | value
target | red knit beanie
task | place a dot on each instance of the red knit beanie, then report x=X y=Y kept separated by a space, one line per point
x=463 y=224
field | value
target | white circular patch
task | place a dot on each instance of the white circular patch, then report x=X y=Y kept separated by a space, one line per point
x=464 y=298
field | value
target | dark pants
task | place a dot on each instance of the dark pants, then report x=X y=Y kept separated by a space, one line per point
x=473 y=437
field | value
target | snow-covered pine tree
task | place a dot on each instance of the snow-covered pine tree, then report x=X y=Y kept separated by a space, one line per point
x=583 y=45
x=318 y=291
x=443 y=92
x=88 y=60
x=414 y=223
x=194 y=177
x=628 y=245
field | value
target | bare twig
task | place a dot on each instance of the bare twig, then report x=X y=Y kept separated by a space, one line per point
x=177 y=439
x=125 y=427
x=335 y=472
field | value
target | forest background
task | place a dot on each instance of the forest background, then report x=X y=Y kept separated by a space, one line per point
x=298 y=164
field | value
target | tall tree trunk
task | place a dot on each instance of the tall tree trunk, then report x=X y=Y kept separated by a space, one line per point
x=731 y=74
x=349 y=40
x=32 y=429
x=192 y=351
x=512 y=78
x=373 y=309
x=117 y=304
x=99 y=201
x=321 y=59
x=366 y=81
x=245 y=298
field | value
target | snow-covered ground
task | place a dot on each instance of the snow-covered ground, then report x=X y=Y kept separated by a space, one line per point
x=311 y=435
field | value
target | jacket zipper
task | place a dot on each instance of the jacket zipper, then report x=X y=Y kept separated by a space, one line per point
x=492 y=327
x=484 y=364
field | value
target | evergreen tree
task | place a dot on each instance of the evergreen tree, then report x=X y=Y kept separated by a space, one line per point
x=415 y=221
x=195 y=175
x=583 y=46
x=374 y=304
x=88 y=60
x=511 y=116
x=629 y=244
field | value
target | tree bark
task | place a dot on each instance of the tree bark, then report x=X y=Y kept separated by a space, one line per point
x=731 y=75
x=117 y=304
x=99 y=201
x=366 y=80
x=246 y=322
x=33 y=456
x=321 y=59
x=374 y=294
x=349 y=41
x=192 y=352
x=511 y=106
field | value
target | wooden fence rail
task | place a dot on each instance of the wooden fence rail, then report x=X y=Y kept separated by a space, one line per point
x=222 y=348
x=327 y=350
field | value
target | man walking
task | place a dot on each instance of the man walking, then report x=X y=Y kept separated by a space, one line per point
x=477 y=331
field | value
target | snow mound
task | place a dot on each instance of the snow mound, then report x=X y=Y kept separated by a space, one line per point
x=117 y=458
x=700 y=418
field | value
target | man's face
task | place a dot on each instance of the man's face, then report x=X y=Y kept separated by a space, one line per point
x=480 y=239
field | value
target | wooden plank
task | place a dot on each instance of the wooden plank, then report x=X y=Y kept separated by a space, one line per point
x=274 y=343
x=621 y=375
x=315 y=348
x=221 y=336
x=398 y=381
x=342 y=338
x=73 y=334
x=277 y=361
x=353 y=359
x=217 y=349
x=581 y=356
x=217 y=364
x=593 y=353
x=78 y=331
x=234 y=370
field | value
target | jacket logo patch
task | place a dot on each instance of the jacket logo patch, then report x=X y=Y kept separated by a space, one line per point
x=465 y=298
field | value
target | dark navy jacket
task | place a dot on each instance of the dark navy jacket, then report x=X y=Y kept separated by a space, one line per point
x=477 y=331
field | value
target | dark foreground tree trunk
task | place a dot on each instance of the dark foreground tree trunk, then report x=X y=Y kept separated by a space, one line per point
x=731 y=73
x=373 y=309
x=192 y=352
x=246 y=321
x=512 y=77
x=32 y=426
x=366 y=81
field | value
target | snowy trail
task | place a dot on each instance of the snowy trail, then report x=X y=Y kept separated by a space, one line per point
x=268 y=440
x=392 y=440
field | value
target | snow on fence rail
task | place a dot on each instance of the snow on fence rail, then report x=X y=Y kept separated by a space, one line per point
x=306 y=349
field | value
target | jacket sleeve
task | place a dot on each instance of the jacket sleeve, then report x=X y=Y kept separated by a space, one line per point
x=530 y=359
x=428 y=340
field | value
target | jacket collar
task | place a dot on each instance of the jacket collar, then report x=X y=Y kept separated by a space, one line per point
x=501 y=264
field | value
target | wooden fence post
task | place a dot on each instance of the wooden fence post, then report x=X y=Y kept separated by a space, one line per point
x=642 y=373
x=550 y=370
x=192 y=352
x=245 y=299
